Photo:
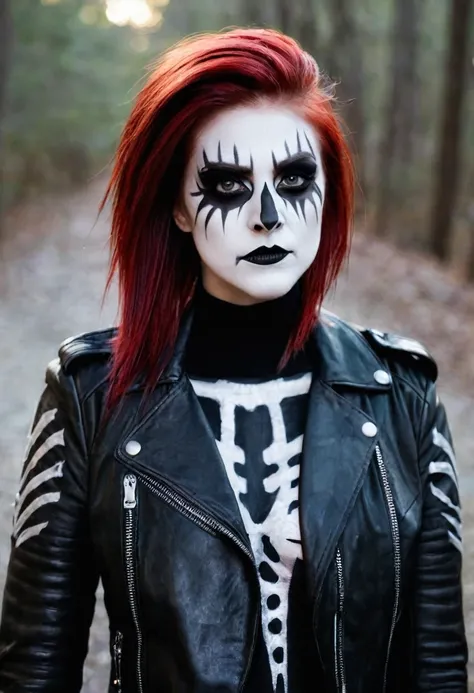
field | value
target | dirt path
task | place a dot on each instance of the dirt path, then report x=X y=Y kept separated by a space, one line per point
x=52 y=275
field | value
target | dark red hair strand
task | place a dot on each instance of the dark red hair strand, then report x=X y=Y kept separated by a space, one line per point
x=157 y=265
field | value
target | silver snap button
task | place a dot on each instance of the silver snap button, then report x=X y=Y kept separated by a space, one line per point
x=133 y=447
x=382 y=377
x=369 y=429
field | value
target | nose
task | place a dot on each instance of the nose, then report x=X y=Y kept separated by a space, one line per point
x=269 y=217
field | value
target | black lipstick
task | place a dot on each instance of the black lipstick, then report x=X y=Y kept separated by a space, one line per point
x=265 y=256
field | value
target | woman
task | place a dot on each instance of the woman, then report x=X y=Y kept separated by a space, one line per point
x=267 y=493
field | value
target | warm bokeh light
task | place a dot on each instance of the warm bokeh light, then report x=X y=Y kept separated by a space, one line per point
x=139 y=13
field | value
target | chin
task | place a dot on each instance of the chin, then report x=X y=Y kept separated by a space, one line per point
x=269 y=288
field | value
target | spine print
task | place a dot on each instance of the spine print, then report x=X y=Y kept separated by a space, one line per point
x=260 y=445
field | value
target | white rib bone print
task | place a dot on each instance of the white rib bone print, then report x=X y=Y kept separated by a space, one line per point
x=27 y=502
x=275 y=541
x=446 y=473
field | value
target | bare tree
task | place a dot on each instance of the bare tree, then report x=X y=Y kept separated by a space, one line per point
x=307 y=32
x=448 y=158
x=253 y=13
x=470 y=264
x=400 y=108
x=5 y=49
x=285 y=15
x=408 y=111
x=345 y=64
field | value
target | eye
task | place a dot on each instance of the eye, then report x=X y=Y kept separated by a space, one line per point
x=230 y=187
x=293 y=181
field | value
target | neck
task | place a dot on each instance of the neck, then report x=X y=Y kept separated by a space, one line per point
x=234 y=341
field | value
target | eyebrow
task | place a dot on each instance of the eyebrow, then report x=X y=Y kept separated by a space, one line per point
x=300 y=157
x=279 y=166
x=223 y=167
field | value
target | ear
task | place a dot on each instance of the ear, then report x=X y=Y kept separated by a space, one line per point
x=182 y=220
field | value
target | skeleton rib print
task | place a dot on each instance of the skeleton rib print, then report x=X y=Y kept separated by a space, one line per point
x=445 y=487
x=41 y=469
x=259 y=433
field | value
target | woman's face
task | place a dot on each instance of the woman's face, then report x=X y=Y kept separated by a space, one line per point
x=253 y=198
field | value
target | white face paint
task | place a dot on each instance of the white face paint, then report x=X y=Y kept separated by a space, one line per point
x=253 y=198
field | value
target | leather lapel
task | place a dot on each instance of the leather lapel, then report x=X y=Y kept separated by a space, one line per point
x=178 y=449
x=336 y=456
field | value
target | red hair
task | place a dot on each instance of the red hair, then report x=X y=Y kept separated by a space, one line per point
x=157 y=265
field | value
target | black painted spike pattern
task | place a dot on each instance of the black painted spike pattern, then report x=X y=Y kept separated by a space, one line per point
x=297 y=202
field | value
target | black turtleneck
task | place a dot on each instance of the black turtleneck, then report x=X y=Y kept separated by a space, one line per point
x=257 y=414
x=243 y=342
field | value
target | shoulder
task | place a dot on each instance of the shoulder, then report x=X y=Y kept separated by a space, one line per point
x=83 y=361
x=86 y=347
x=405 y=358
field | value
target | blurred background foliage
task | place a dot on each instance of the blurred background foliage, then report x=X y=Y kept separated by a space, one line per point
x=69 y=70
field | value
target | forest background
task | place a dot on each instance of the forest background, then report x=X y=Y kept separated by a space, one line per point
x=69 y=70
x=404 y=73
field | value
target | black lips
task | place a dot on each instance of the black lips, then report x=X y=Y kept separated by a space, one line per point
x=265 y=256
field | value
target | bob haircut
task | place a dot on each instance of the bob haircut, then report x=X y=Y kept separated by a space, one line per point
x=157 y=264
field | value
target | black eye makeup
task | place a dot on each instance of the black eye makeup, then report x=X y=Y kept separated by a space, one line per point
x=222 y=183
x=227 y=186
x=223 y=186
x=296 y=177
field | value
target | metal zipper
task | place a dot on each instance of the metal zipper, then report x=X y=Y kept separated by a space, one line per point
x=209 y=524
x=339 y=627
x=396 y=553
x=117 y=658
x=195 y=514
x=130 y=504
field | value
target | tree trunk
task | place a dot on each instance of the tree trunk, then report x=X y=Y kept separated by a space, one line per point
x=253 y=13
x=400 y=108
x=470 y=264
x=410 y=21
x=448 y=158
x=5 y=52
x=308 y=28
x=285 y=15
x=345 y=64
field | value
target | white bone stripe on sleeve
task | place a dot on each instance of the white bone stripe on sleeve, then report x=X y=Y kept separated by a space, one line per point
x=55 y=471
x=441 y=442
x=455 y=541
x=445 y=499
x=447 y=468
x=30 y=532
x=54 y=439
x=33 y=507
x=43 y=421
x=443 y=468
x=455 y=523
x=26 y=507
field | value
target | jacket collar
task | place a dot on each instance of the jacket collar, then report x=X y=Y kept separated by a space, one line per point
x=344 y=357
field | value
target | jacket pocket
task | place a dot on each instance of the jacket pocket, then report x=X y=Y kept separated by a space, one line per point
x=130 y=549
x=117 y=661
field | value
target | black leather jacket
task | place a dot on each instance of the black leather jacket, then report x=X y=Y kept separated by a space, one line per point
x=144 y=503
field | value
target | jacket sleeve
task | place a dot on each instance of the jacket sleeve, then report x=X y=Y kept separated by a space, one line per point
x=441 y=651
x=49 y=596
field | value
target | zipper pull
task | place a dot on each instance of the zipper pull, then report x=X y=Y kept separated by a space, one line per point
x=129 y=488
